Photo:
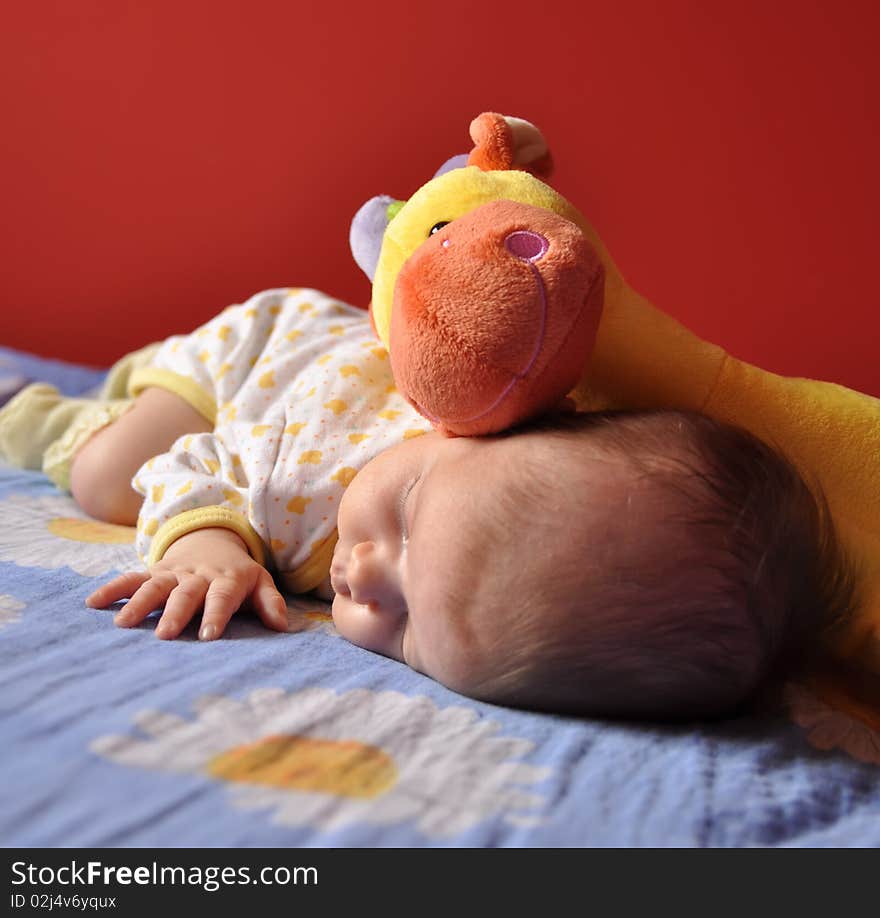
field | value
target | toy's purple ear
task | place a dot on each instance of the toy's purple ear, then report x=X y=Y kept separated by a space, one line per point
x=454 y=162
x=370 y=222
x=367 y=230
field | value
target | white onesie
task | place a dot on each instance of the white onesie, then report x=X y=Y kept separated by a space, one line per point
x=301 y=396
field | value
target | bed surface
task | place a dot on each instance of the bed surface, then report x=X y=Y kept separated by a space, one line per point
x=113 y=738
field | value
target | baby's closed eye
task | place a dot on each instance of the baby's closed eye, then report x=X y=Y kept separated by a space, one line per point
x=402 y=506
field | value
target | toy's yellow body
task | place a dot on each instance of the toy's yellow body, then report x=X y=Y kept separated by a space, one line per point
x=645 y=359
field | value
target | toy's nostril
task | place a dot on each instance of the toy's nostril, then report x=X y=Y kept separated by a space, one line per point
x=526 y=245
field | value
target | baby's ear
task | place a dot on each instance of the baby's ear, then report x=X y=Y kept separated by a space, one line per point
x=505 y=142
x=368 y=228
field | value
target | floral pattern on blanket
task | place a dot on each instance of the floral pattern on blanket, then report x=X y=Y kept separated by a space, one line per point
x=51 y=531
x=828 y=727
x=325 y=759
x=10 y=610
x=113 y=738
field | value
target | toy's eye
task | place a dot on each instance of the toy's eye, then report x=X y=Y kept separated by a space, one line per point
x=438 y=226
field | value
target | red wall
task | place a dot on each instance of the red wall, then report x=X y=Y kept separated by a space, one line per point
x=161 y=159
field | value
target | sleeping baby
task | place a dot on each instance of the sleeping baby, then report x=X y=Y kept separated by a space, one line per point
x=655 y=564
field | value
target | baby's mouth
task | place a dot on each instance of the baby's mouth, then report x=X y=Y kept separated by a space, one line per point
x=338 y=567
x=338 y=583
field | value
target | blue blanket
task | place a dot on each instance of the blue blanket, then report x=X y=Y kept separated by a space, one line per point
x=113 y=738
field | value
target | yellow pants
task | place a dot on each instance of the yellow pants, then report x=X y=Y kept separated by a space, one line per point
x=42 y=429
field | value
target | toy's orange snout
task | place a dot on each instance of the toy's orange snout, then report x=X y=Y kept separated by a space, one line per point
x=494 y=317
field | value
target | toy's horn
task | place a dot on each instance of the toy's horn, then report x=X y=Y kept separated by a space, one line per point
x=504 y=142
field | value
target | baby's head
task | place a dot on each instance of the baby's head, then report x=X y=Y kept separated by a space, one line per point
x=652 y=564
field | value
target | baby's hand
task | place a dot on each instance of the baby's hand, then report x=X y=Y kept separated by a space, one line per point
x=207 y=569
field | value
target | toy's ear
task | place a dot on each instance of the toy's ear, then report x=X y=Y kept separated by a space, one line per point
x=367 y=230
x=454 y=162
x=370 y=222
x=504 y=142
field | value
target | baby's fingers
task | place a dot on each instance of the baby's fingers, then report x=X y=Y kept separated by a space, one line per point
x=268 y=603
x=184 y=601
x=224 y=599
x=151 y=595
x=121 y=587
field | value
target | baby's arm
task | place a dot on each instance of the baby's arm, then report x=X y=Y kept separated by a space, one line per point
x=208 y=569
x=197 y=541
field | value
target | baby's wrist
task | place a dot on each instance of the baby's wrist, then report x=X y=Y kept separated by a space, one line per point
x=204 y=541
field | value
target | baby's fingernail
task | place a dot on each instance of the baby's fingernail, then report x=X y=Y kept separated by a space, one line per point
x=208 y=633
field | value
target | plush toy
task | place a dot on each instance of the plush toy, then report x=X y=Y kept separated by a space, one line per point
x=487 y=289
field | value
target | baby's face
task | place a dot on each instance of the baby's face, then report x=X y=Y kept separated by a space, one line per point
x=420 y=572
x=399 y=525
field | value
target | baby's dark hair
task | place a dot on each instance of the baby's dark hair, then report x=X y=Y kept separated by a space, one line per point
x=750 y=582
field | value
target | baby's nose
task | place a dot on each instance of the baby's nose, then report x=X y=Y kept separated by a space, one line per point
x=365 y=578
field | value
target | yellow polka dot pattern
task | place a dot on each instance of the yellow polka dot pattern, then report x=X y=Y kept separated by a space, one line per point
x=304 y=400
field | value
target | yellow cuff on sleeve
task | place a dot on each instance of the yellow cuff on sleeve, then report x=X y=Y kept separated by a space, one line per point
x=206 y=518
x=188 y=389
